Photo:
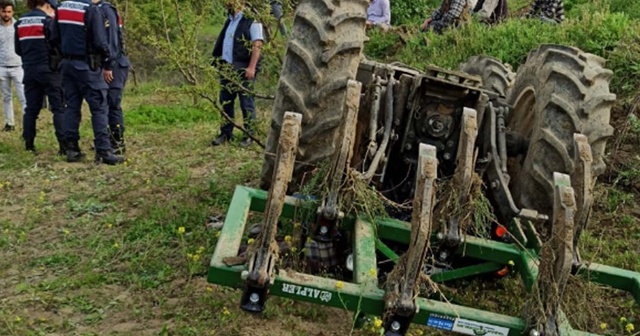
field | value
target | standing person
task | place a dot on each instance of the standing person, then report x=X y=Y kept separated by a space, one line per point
x=41 y=71
x=451 y=13
x=79 y=33
x=10 y=64
x=115 y=37
x=230 y=50
x=278 y=12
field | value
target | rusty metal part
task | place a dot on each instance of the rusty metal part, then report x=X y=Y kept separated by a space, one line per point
x=375 y=111
x=387 y=132
x=582 y=183
x=462 y=179
x=264 y=258
x=329 y=209
x=402 y=286
x=556 y=258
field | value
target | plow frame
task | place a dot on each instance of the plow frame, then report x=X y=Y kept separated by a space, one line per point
x=363 y=296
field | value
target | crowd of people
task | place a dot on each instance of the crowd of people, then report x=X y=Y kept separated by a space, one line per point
x=74 y=51
x=65 y=54
x=453 y=13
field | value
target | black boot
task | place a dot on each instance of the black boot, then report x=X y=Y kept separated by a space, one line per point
x=107 y=157
x=62 y=151
x=29 y=146
x=74 y=154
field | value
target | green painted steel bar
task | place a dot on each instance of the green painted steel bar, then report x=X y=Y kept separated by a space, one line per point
x=233 y=228
x=364 y=258
x=367 y=298
x=528 y=268
x=468 y=271
x=488 y=250
x=386 y=251
x=394 y=230
x=364 y=299
x=618 y=278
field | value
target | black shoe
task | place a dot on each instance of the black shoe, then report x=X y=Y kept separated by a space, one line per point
x=74 y=154
x=107 y=157
x=8 y=128
x=220 y=140
x=246 y=142
x=62 y=151
x=29 y=146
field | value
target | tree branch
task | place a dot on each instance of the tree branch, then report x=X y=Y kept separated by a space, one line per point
x=231 y=121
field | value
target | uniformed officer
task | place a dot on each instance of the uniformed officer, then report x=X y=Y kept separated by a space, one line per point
x=41 y=75
x=115 y=36
x=79 y=33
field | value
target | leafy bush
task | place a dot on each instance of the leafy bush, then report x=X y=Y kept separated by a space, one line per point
x=411 y=11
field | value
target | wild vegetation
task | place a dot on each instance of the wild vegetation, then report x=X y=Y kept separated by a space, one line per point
x=93 y=250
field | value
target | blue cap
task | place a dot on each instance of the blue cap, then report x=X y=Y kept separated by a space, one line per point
x=53 y=3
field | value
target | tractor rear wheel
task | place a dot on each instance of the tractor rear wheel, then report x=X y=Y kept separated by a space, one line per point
x=558 y=92
x=323 y=53
x=496 y=76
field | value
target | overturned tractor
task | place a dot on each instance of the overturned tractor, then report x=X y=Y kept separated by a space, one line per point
x=477 y=170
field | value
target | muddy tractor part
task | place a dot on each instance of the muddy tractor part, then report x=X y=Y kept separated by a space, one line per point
x=483 y=171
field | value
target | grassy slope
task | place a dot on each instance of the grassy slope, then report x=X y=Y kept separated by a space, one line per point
x=93 y=250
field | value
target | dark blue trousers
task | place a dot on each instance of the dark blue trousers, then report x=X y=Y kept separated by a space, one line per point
x=114 y=100
x=228 y=93
x=80 y=82
x=38 y=82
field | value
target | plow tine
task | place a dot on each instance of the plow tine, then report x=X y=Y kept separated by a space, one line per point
x=556 y=259
x=462 y=180
x=262 y=260
x=404 y=280
x=582 y=183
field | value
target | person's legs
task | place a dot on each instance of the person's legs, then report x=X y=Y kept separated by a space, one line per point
x=247 y=105
x=17 y=76
x=34 y=92
x=227 y=100
x=116 y=119
x=53 y=90
x=72 y=113
x=278 y=13
x=116 y=115
x=7 y=98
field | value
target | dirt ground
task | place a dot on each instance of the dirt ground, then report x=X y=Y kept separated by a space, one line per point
x=96 y=250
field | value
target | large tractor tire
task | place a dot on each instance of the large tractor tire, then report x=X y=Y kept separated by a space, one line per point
x=496 y=76
x=323 y=53
x=559 y=91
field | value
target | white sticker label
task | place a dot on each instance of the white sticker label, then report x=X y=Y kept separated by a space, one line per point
x=313 y=293
x=467 y=327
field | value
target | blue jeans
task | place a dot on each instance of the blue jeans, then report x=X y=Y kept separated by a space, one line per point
x=228 y=93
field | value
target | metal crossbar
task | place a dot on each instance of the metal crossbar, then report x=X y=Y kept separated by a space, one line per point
x=363 y=295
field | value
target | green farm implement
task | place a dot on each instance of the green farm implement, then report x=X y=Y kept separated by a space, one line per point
x=389 y=181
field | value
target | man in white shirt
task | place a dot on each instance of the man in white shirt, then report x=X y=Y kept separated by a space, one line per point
x=10 y=65
x=231 y=50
